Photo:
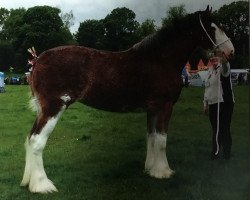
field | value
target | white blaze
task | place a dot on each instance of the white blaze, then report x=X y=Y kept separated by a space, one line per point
x=220 y=38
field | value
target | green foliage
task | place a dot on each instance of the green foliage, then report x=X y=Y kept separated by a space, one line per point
x=4 y=13
x=12 y=24
x=68 y=19
x=42 y=28
x=117 y=31
x=6 y=54
x=146 y=28
x=173 y=13
x=97 y=155
x=91 y=34
x=120 y=29
x=39 y=26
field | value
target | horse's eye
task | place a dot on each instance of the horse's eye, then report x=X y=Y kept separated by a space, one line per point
x=213 y=28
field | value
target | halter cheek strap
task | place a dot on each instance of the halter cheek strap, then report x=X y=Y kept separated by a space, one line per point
x=214 y=44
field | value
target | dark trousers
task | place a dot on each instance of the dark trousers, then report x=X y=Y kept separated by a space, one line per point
x=224 y=135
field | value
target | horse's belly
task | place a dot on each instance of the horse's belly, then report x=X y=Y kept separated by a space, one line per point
x=114 y=103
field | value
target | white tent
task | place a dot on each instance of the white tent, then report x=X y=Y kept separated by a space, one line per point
x=1 y=82
x=239 y=76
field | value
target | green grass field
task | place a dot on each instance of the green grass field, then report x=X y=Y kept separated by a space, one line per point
x=96 y=155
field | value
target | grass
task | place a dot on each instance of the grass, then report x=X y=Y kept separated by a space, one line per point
x=96 y=155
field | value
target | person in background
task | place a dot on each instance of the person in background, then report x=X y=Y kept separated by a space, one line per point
x=219 y=103
x=185 y=76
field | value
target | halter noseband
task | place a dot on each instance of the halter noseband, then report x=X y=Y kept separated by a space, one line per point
x=215 y=45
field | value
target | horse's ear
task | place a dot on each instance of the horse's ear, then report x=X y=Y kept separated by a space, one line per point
x=211 y=10
x=208 y=10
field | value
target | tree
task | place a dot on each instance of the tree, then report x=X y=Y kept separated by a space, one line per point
x=4 y=13
x=6 y=55
x=234 y=18
x=91 y=34
x=39 y=26
x=174 y=12
x=68 y=19
x=146 y=28
x=11 y=24
x=120 y=29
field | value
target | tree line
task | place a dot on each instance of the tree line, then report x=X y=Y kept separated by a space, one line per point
x=46 y=27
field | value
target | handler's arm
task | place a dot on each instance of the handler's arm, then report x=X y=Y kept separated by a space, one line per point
x=225 y=68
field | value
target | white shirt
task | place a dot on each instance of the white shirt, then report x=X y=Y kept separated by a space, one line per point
x=213 y=85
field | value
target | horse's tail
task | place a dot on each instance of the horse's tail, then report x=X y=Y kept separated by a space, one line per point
x=33 y=103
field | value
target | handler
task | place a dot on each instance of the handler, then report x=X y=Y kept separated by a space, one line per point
x=219 y=104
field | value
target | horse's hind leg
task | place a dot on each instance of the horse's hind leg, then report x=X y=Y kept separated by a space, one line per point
x=34 y=173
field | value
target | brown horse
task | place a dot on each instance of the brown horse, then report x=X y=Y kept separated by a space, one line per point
x=148 y=75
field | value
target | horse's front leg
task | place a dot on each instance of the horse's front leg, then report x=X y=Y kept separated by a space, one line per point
x=156 y=161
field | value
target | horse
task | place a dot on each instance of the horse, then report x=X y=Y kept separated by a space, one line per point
x=147 y=75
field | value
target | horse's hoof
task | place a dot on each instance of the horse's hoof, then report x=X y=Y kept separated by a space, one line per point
x=24 y=183
x=161 y=173
x=42 y=186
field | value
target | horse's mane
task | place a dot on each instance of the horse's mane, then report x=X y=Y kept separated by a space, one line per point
x=167 y=34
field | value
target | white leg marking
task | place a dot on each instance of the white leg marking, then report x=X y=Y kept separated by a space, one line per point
x=66 y=98
x=220 y=37
x=34 y=104
x=34 y=174
x=160 y=167
x=26 y=175
x=150 y=152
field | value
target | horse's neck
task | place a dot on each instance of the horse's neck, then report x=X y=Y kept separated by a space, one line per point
x=178 y=54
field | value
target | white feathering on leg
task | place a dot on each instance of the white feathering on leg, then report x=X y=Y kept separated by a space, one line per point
x=160 y=168
x=34 y=104
x=150 y=152
x=34 y=174
x=26 y=175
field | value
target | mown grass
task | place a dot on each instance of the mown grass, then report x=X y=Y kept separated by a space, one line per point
x=96 y=155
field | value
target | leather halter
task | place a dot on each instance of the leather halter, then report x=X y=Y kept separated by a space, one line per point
x=214 y=44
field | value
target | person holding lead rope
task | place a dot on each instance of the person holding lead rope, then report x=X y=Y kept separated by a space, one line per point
x=219 y=103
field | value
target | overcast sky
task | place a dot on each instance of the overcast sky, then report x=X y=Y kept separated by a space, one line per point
x=98 y=9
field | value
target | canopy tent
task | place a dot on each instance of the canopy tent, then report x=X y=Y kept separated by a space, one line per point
x=1 y=82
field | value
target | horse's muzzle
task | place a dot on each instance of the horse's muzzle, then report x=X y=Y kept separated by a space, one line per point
x=229 y=56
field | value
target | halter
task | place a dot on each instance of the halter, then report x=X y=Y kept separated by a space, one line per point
x=215 y=45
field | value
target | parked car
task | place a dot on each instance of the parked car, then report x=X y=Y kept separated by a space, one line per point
x=15 y=80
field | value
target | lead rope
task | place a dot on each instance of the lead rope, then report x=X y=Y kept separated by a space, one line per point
x=206 y=31
x=218 y=120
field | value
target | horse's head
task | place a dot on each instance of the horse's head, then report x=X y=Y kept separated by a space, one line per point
x=212 y=36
